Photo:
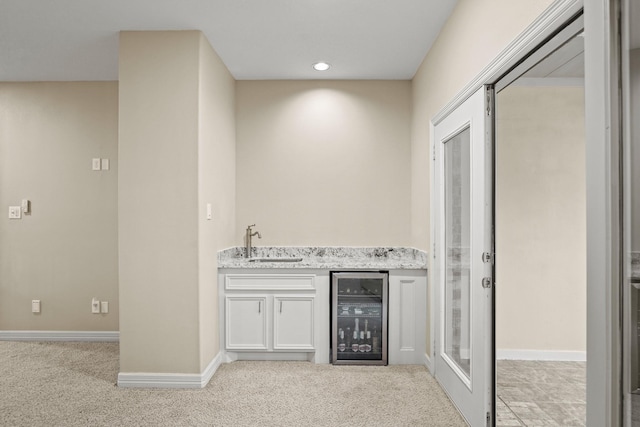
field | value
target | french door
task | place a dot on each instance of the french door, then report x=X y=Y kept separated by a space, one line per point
x=463 y=264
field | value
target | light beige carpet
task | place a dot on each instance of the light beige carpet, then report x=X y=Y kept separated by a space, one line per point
x=73 y=384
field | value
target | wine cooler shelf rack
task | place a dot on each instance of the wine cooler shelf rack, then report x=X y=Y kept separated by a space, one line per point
x=359 y=310
x=359 y=295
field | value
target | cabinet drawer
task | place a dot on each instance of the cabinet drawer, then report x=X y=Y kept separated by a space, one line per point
x=270 y=282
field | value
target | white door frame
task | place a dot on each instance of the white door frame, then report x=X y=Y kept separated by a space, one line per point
x=602 y=114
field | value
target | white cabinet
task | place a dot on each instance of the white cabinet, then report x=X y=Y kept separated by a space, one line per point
x=285 y=315
x=248 y=318
x=274 y=316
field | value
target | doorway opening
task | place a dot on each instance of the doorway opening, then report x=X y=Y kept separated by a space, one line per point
x=540 y=237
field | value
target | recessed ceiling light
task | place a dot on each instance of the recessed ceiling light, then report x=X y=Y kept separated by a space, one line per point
x=321 y=66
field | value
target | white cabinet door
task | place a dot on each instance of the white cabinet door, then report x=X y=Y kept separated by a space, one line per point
x=293 y=323
x=246 y=323
x=407 y=317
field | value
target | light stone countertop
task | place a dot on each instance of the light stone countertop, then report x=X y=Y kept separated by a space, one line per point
x=326 y=258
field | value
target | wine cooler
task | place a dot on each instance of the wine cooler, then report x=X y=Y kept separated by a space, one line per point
x=359 y=318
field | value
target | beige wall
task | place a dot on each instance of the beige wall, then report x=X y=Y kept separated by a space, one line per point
x=216 y=185
x=177 y=154
x=475 y=33
x=158 y=202
x=324 y=162
x=65 y=252
x=540 y=219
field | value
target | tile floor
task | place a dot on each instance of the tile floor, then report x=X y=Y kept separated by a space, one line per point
x=537 y=393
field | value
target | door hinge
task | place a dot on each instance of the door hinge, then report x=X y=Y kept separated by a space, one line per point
x=488 y=419
x=434 y=152
x=487 y=282
x=487 y=257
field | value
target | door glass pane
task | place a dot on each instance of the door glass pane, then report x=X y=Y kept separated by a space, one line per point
x=457 y=186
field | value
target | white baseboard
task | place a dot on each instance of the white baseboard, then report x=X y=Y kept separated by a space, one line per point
x=211 y=369
x=160 y=380
x=426 y=361
x=559 y=356
x=91 y=336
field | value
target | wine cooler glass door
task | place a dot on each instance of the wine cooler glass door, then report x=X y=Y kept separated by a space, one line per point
x=359 y=326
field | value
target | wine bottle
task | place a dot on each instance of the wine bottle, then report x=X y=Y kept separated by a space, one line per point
x=342 y=346
x=367 y=347
x=375 y=341
x=349 y=337
x=362 y=344
x=355 y=344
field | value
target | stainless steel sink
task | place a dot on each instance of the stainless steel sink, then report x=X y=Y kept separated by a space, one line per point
x=270 y=259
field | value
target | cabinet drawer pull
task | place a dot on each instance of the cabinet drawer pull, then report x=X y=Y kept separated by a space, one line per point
x=280 y=306
x=259 y=306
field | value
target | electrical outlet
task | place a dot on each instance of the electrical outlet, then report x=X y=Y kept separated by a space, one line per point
x=15 y=212
x=95 y=306
x=96 y=164
x=104 y=306
x=35 y=306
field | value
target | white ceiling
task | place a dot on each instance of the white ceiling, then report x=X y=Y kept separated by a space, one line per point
x=45 y=40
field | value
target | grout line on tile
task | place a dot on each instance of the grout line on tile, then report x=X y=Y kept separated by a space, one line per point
x=511 y=410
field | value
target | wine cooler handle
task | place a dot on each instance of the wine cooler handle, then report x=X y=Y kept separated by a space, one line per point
x=280 y=306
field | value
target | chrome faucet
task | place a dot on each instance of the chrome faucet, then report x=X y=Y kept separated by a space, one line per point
x=247 y=240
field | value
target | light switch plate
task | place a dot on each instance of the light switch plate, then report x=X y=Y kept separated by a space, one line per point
x=15 y=212
x=95 y=306
x=104 y=306
x=105 y=164
x=35 y=306
x=95 y=164
x=26 y=206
